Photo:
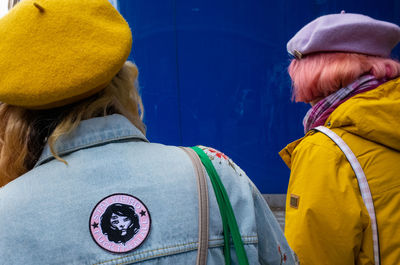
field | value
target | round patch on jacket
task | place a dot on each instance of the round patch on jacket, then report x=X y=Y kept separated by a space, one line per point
x=120 y=223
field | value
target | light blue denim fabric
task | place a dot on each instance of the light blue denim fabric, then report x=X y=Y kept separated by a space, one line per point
x=44 y=214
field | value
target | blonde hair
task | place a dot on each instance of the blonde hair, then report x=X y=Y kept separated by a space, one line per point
x=321 y=74
x=24 y=133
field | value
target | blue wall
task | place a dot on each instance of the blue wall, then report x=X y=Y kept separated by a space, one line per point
x=214 y=73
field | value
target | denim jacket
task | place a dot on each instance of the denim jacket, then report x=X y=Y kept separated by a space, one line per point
x=45 y=215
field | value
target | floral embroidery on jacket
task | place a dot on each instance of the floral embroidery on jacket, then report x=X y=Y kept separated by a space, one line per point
x=212 y=154
x=283 y=255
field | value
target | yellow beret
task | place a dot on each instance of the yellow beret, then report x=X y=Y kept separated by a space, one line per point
x=56 y=52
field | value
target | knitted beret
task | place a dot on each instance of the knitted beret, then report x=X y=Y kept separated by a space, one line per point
x=345 y=32
x=56 y=52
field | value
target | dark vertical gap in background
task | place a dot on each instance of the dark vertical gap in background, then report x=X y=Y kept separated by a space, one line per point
x=178 y=85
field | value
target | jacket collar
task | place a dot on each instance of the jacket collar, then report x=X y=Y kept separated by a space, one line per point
x=93 y=132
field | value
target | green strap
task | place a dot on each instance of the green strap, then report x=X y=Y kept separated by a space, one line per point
x=228 y=217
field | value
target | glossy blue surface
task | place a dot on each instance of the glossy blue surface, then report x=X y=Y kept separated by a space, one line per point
x=214 y=73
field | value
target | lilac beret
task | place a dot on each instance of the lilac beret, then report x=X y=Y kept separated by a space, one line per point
x=345 y=32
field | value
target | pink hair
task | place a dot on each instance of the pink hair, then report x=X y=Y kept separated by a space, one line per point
x=319 y=75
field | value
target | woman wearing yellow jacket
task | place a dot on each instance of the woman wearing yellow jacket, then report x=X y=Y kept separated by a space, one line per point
x=342 y=68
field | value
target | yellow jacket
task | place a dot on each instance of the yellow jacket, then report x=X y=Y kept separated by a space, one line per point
x=326 y=220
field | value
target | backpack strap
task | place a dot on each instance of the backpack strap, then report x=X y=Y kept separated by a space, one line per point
x=202 y=191
x=229 y=222
x=362 y=183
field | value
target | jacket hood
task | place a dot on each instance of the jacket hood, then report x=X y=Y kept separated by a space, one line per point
x=373 y=115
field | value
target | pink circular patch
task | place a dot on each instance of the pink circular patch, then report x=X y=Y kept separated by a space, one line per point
x=120 y=223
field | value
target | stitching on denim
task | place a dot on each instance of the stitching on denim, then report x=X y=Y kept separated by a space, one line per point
x=91 y=144
x=154 y=256
x=172 y=252
x=147 y=251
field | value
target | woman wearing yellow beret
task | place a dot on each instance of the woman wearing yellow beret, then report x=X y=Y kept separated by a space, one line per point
x=344 y=189
x=81 y=184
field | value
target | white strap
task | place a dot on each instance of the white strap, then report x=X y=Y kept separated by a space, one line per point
x=362 y=183
x=202 y=190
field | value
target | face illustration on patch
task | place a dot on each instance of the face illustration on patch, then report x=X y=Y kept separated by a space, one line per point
x=120 y=223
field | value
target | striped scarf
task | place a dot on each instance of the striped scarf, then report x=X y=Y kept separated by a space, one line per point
x=320 y=112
